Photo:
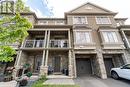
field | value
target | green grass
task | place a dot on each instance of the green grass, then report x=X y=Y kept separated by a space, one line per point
x=40 y=84
x=60 y=86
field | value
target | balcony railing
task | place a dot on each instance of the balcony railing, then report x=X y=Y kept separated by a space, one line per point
x=58 y=43
x=33 y=43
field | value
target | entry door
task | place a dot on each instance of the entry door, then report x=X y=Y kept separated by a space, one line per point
x=38 y=61
x=83 y=66
x=108 y=64
x=57 y=63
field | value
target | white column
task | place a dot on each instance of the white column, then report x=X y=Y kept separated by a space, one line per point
x=18 y=58
x=44 y=45
x=48 y=41
x=17 y=64
x=126 y=39
x=69 y=39
x=45 y=39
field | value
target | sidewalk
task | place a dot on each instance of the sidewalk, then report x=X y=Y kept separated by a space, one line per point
x=8 y=84
x=59 y=82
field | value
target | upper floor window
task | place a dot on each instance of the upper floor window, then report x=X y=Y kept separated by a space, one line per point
x=110 y=36
x=43 y=22
x=83 y=37
x=103 y=20
x=60 y=22
x=80 y=20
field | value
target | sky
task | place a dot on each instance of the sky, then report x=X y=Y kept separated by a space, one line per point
x=56 y=8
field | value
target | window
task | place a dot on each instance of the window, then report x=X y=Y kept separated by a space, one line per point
x=83 y=37
x=60 y=22
x=80 y=20
x=43 y=22
x=110 y=36
x=103 y=20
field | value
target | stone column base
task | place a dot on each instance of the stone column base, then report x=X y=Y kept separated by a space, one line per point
x=71 y=71
x=15 y=72
x=102 y=70
x=44 y=70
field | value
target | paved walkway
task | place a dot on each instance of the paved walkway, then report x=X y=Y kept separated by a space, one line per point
x=8 y=84
x=60 y=81
x=87 y=81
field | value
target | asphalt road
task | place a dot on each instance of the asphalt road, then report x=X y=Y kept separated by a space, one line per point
x=89 y=81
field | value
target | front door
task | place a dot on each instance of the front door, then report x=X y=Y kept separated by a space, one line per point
x=57 y=62
x=38 y=61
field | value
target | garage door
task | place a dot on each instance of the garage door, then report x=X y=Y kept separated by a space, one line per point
x=83 y=66
x=108 y=64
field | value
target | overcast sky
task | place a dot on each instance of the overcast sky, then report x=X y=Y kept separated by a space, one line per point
x=56 y=8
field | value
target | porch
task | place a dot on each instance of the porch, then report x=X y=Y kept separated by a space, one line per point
x=58 y=62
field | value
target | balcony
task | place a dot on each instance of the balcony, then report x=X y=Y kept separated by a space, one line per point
x=33 y=44
x=58 y=43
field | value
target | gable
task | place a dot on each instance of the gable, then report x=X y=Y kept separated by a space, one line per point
x=90 y=8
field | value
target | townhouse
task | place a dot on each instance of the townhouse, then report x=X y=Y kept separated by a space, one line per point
x=89 y=40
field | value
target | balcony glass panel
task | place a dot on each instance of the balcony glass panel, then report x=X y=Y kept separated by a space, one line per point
x=34 y=43
x=59 y=43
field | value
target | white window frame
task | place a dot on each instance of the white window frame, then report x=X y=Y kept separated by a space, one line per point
x=85 y=39
x=102 y=22
x=110 y=37
x=74 y=22
x=41 y=22
x=62 y=23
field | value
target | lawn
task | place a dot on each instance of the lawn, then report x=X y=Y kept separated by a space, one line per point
x=40 y=84
x=60 y=86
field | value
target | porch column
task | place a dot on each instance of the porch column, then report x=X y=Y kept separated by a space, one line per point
x=101 y=67
x=69 y=39
x=48 y=40
x=74 y=65
x=70 y=64
x=17 y=64
x=125 y=38
x=47 y=52
x=42 y=67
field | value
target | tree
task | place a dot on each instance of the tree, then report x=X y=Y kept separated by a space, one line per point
x=12 y=29
x=20 y=7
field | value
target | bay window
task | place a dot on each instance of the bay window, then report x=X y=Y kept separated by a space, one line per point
x=110 y=36
x=83 y=37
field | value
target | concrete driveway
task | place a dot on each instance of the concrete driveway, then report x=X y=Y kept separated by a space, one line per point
x=89 y=81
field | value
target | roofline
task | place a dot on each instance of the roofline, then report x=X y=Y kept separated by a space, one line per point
x=91 y=4
x=23 y=13
x=90 y=14
x=124 y=26
x=51 y=18
x=52 y=26
x=120 y=18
